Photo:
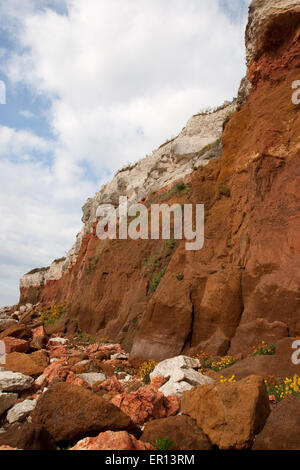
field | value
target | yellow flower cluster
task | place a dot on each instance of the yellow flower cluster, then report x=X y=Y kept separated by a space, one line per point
x=281 y=388
x=223 y=380
x=225 y=362
x=264 y=349
x=50 y=315
x=145 y=370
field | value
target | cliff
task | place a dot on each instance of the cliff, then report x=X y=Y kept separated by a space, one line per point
x=248 y=177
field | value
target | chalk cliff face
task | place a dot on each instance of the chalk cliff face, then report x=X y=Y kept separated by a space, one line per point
x=247 y=276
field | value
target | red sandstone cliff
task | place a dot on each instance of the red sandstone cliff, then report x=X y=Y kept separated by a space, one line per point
x=247 y=276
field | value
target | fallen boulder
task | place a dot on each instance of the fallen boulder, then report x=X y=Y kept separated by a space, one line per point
x=230 y=414
x=27 y=436
x=14 y=381
x=282 y=429
x=7 y=400
x=20 y=411
x=69 y=412
x=112 y=441
x=20 y=362
x=181 y=430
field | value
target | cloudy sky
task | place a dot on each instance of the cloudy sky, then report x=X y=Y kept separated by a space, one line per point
x=90 y=86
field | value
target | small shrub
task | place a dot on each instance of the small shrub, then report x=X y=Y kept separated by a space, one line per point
x=38 y=270
x=181 y=186
x=50 y=315
x=282 y=387
x=145 y=370
x=92 y=265
x=208 y=363
x=156 y=279
x=224 y=190
x=180 y=277
x=162 y=443
x=264 y=349
x=60 y=260
x=223 y=380
x=85 y=338
x=171 y=244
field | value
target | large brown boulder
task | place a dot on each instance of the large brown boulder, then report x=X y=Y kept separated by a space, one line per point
x=27 y=436
x=230 y=414
x=41 y=358
x=282 y=429
x=249 y=335
x=17 y=331
x=69 y=413
x=23 y=363
x=181 y=430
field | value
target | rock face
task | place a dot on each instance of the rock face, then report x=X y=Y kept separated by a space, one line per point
x=112 y=441
x=230 y=414
x=249 y=268
x=282 y=429
x=282 y=15
x=181 y=430
x=69 y=412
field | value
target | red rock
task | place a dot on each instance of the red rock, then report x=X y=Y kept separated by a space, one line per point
x=56 y=371
x=110 y=385
x=146 y=403
x=74 y=380
x=15 y=345
x=59 y=352
x=110 y=440
x=39 y=331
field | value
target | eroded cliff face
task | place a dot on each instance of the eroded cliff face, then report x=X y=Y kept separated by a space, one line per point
x=248 y=273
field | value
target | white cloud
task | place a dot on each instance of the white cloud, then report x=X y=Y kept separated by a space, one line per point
x=121 y=77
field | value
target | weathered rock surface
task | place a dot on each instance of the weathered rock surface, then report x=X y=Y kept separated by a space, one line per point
x=181 y=430
x=15 y=345
x=249 y=335
x=282 y=429
x=230 y=414
x=14 y=382
x=23 y=363
x=92 y=377
x=147 y=403
x=7 y=400
x=112 y=441
x=20 y=411
x=69 y=412
x=181 y=374
x=27 y=436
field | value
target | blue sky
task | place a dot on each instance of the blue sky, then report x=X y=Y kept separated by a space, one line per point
x=91 y=86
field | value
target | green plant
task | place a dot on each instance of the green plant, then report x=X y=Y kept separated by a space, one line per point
x=181 y=186
x=171 y=244
x=92 y=264
x=224 y=190
x=282 y=387
x=85 y=338
x=180 y=277
x=264 y=349
x=162 y=443
x=157 y=277
x=51 y=315
x=38 y=270
x=146 y=369
x=60 y=260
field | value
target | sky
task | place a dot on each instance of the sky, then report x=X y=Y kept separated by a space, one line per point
x=89 y=87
